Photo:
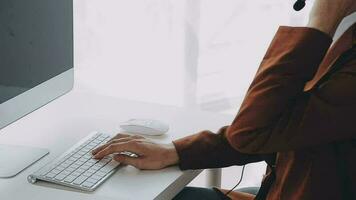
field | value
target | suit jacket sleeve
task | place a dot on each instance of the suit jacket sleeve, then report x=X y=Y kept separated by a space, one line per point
x=277 y=115
x=209 y=150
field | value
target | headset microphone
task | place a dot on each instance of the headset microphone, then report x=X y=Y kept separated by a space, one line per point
x=299 y=5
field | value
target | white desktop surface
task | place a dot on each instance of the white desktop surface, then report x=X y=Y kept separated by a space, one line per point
x=63 y=122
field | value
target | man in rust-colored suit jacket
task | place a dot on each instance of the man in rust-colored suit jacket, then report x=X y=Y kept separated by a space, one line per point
x=299 y=115
x=301 y=123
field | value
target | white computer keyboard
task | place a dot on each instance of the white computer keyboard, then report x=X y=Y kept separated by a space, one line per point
x=76 y=168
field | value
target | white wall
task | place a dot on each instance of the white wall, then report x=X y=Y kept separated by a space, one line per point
x=138 y=45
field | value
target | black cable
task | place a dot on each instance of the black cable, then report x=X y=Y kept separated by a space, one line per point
x=242 y=175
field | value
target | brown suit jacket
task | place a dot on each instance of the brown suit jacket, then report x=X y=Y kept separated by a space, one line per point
x=301 y=101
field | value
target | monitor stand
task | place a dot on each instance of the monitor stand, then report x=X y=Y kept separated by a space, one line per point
x=14 y=159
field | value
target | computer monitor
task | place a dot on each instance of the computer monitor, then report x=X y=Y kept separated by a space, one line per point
x=36 y=56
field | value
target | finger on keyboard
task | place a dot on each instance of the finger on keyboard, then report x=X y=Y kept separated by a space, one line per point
x=117 y=147
x=119 y=140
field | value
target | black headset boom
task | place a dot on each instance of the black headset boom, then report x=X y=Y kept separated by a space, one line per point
x=299 y=5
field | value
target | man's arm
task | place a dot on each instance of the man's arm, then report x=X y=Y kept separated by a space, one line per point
x=210 y=150
x=278 y=116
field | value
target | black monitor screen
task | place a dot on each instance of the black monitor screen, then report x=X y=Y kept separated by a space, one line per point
x=36 y=43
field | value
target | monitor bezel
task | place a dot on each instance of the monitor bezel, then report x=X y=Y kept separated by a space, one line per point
x=40 y=95
x=35 y=98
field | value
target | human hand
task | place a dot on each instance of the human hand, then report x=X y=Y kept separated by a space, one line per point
x=326 y=15
x=150 y=154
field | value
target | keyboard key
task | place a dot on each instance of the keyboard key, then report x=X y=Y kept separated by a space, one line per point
x=71 y=168
x=76 y=156
x=82 y=159
x=86 y=148
x=91 y=170
x=61 y=168
x=69 y=162
x=75 y=165
x=104 y=161
x=96 y=177
x=56 y=171
x=92 y=180
x=92 y=161
x=99 y=173
x=65 y=164
x=103 y=137
x=80 y=170
x=60 y=177
x=87 y=184
x=95 y=142
x=76 y=173
x=70 y=178
x=71 y=159
x=66 y=172
x=95 y=167
x=86 y=166
x=91 y=146
x=80 y=180
x=79 y=162
x=87 y=173
x=110 y=166
x=100 y=164
x=50 y=175
x=89 y=163
x=87 y=156
x=107 y=158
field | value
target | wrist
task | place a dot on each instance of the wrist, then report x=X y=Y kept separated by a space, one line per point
x=327 y=15
x=327 y=26
x=171 y=155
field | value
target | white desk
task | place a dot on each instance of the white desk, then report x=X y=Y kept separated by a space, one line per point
x=62 y=123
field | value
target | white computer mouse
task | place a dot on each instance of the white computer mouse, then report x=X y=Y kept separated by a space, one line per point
x=148 y=127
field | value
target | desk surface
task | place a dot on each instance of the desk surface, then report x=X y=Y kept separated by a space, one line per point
x=62 y=123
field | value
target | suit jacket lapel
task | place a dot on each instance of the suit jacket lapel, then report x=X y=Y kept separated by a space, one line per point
x=344 y=43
